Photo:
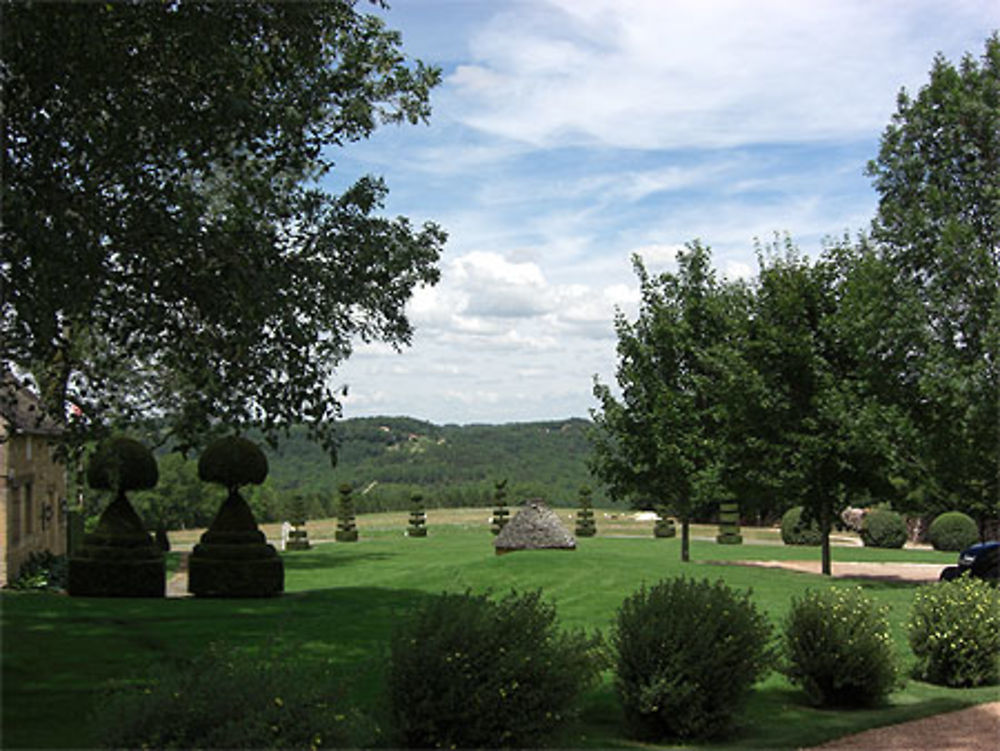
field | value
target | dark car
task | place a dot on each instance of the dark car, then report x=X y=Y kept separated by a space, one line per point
x=981 y=560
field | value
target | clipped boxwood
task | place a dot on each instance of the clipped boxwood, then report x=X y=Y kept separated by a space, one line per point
x=882 y=528
x=953 y=531
x=233 y=462
x=120 y=464
x=796 y=532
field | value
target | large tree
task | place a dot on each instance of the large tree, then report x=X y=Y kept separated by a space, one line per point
x=168 y=248
x=938 y=234
x=661 y=441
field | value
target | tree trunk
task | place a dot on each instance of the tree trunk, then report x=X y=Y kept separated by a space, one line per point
x=685 y=540
x=824 y=528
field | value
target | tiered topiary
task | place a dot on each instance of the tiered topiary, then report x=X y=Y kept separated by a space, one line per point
x=664 y=526
x=418 y=517
x=233 y=558
x=729 y=524
x=585 y=526
x=794 y=531
x=953 y=531
x=500 y=510
x=882 y=528
x=347 y=530
x=119 y=558
x=298 y=538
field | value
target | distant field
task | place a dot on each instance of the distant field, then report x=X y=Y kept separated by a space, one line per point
x=343 y=600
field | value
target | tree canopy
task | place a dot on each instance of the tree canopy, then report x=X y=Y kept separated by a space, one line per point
x=167 y=246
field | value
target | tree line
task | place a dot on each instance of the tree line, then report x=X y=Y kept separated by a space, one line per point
x=868 y=374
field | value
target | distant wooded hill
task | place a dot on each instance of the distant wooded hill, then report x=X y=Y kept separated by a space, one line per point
x=386 y=458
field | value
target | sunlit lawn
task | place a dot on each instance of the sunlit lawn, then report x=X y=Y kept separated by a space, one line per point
x=342 y=601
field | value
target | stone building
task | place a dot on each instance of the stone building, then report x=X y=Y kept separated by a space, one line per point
x=32 y=482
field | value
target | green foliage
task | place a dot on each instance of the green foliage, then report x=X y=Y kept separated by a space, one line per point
x=686 y=655
x=883 y=528
x=729 y=524
x=664 y=526
x=500 y=511
x=953 y=530
x=252 y=281
x=347 y=529
x=42 y=570
x=467 y=671
x=954 y=631
x=585 y=525
x=837 y=647
x=232 y=462
x=794 y=531
x=418 y=517
x=232 y=699
x=121 y=464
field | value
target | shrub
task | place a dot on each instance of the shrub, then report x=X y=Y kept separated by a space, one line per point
x=953 y=530
x=585 y=525
x=836 y=646
x=122 y=464
x=232 y=462
x=228 y=699
x=664 y=526
x=42 y=570
x=796 y=532
x=954 y=631
x=686 y=655
x=882 y=528
x=347 y=528
x=470 y=672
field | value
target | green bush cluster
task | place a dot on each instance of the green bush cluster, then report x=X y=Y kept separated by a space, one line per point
x=686 y=656
x=836 y=645
x=954 y=631
x=42 y=570
x=794 y=531
x=226 y=699
x=883 y=528
x=467 y=671
x=953 y=531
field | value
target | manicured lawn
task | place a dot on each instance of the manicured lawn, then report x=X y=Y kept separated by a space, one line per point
x=342 y=601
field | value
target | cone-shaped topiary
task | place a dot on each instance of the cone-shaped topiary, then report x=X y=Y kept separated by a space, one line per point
x=501 y=513
x=347 y=530
x=729 y=524
x=298 y=537
x=664 y=526
x=585 y=526
x=233 y=558
x=119 y=558
x=418 y=517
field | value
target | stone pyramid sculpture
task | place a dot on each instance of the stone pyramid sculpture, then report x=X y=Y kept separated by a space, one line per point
x=534 y=527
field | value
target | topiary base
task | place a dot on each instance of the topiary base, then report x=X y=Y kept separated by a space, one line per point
x=235 y=571
x=142 y=575
x=416 y=532
x=349 y=535
x=670 y=531
x=728 y=538
x=298 y=545
x=585 y=532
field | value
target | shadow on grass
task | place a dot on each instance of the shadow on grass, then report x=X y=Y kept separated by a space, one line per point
x=307 y=560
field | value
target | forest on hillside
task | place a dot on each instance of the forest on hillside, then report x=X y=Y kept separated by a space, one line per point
x=385 y=460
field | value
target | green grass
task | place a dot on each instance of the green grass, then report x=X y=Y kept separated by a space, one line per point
x=342 y=601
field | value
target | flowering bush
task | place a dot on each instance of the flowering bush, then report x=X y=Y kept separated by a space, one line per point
x=687 y=654
x=836 y=646
x=470 y=672
x=226 y=699
x=954 y=632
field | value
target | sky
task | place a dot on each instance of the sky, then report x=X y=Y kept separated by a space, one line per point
x=569 y=135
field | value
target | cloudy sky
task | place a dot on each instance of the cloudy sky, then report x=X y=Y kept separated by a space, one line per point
x=568 y=135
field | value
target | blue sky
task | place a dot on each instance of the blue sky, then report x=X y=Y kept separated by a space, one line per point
x=568 y=135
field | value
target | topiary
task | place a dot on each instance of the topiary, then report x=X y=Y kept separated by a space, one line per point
x=686 y=656
x=794 y=531
x=953 y=531
x=883 y=528
x=954 y=632
x=585 y=526
x=467 y=671
x=233 y=557
x=347 y=529
x=418 y=517
x=119 y=558
x=729 y=524
x=501 y=513
x=836 y=646
x=664 y=526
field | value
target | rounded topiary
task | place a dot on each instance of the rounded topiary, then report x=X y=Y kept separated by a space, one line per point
x=953 y=531
x=796 y=532
x=233 y=462
x=122 y=464
x=882 y=528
